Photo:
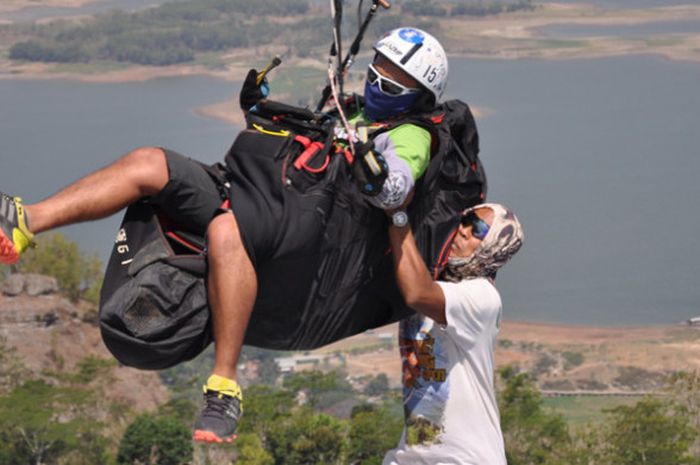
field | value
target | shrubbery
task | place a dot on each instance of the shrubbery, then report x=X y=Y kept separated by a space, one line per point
x=175 y=32
x=572 y=359
x=55 y=422
x=169 y=34
x=423 y=8
x=54 y=419
x=160 y=439
x=79 y=274
x=490 y=8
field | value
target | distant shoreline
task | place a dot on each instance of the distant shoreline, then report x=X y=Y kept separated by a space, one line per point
x=512 y=36
x=508 y=36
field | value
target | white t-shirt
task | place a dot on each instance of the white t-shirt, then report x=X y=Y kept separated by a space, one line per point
x=448 y=374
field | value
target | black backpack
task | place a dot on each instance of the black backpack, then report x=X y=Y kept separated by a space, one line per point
x=455 y=179
x=320 y=250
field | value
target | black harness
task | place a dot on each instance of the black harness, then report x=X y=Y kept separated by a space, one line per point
x=320 y=251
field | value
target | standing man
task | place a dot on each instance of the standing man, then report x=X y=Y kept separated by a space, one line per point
x=447 y=347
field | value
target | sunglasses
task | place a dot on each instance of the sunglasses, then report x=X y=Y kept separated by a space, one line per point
x=386 y=85
x=479 y=227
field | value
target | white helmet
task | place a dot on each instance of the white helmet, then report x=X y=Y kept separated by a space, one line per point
x=419 y=54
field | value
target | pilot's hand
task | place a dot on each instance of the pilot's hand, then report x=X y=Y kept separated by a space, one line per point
x=370 y=169
x=251 y=92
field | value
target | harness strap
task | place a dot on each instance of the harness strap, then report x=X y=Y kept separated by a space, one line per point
x=349 y=157
x=444 y=254
x=311 y=148
x=280 y=133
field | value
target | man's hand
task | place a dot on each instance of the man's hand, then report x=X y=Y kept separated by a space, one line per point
x=369 y=168
x=251 y=92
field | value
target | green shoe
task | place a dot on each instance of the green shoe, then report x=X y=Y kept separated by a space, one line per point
x=15 y=237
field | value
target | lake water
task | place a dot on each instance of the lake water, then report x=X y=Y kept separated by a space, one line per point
x=53 y=132
x=622 y=4
x=599 y=158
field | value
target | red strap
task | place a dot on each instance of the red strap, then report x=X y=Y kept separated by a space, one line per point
x=184 y=242
x=305 y=141
x=311 y=150
x=444 y=253
x=321 y=168
x=438 y=119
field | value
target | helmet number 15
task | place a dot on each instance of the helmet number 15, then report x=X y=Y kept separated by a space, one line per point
x=430 y=74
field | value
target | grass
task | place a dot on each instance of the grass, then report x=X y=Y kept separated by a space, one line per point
x=581 y=410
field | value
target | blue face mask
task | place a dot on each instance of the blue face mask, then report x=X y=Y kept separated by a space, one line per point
x=380 y=106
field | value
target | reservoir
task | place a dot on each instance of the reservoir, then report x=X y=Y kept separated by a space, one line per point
x=599 y=159
x=625 y=4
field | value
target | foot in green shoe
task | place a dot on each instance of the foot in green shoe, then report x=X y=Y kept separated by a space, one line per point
x=15 y=236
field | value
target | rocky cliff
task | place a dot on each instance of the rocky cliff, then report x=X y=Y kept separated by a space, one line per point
x=49 y=333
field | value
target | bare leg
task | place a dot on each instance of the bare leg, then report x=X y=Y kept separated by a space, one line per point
x=138 y=174
x=233 y=287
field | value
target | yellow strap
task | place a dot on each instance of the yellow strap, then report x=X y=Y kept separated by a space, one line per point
x=280 y=133
x=363 y=133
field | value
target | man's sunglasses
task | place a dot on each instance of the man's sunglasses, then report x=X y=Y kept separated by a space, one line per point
x=386 y=85
x=479 y=227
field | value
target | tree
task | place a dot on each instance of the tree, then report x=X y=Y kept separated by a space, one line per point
x=322 y=389
x=651 y=432
x=79 y=275
x=12 y=374
x=378 y=385
x=373 y=431
x=156 y=440
x=251 y=451
x=268 y=371
x=532 y=435
x=183 y=410
x=423 y=8
x=684 y=388
x=39 y=423
x=263 y=407
x=307 y=438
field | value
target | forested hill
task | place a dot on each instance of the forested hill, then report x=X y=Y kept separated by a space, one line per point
x=178 y=32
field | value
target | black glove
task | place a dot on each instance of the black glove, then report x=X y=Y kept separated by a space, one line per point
x=370 y=169
x=251 y=92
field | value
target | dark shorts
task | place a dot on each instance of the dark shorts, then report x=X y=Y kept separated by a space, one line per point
x=191 y=197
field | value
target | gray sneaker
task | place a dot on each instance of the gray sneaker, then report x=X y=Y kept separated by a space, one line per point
x=219 y=418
